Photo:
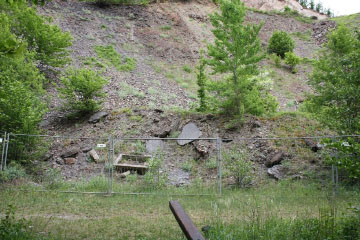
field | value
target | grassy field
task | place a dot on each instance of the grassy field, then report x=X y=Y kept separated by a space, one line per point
x=86 y=216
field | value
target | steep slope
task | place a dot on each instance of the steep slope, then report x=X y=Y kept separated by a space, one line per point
x=279 y=5
x=164 y=39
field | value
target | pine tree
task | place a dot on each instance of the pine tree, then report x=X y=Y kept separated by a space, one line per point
x=237 y=51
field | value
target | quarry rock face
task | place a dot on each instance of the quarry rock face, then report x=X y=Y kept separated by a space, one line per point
x=279 y=5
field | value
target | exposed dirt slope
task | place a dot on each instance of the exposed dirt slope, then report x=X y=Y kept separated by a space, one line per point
x=164 y=39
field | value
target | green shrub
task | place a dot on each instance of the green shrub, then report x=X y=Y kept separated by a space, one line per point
x=292 y=60
x=12 y=172
x=276 y=59
x=281 y=43
x=346 y=157
x=186 y=69
x=111 y=57
x=47 y=41
x=12 y=228
x=82 y=90
x=238 y=166
x=154 y=179
x=237 y=53
x=21 y=107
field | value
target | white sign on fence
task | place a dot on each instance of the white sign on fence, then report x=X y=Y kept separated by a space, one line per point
x=0 y=140
x=101 y=145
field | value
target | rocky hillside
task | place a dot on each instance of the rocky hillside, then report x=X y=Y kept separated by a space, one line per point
x=164 y=40
x=279 y=5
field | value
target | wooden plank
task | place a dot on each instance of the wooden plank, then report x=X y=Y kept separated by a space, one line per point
x=184 y=221
x=127 y=165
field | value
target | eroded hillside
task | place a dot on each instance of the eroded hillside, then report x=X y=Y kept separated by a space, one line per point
x=164 y=40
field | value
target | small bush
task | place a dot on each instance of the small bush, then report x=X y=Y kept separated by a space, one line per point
x=276 y=59
x=15 y=229
x=47 y=41
x=238 y=166
x=153 y=178
x=292 y=60
x=211 y=163
x=82 y=90
x=281 y=43
x=186 y=69
x=11 y=173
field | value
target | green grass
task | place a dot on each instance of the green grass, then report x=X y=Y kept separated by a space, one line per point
x=273 y=207
x=306 y=36
x=165 y=28
x=128 y=90
x=351 y=21
x=111 y=57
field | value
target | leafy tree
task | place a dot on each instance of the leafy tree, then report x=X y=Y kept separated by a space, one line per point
x=21 y=107
x=281 y=43
x=335 y=78
x=20 y=84
x=47 y=41
x=237 y=51
x=336 y=101
x=319 y=7
x=292 y=60
x=81 y=88
x=201 y=81
x=312 y=4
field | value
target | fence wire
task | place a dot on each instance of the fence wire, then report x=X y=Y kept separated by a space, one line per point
x=203 y=166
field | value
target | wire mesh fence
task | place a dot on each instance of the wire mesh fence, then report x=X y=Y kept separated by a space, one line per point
x=202 y=166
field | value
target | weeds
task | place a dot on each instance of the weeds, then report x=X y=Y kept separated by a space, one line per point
x=111 y=57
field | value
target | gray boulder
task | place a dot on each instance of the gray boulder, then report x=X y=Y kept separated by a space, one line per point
x=97 y=116
x=154 y=145
x=276 y=172
x=190 y=131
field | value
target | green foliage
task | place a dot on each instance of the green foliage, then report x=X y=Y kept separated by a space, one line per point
x=304 y=3
x=165 y=28
x=12 y=228
x=259 y=226
x=281 y=43
x=111 y=57
x=312 y=4
x=238 y=166
x=276 y=59
x=82 y=90
x=186 y=69
x=237 y=51
x=292 y=60
x=187 y=166
x=47 y=41
x=12 y=172
x=21 y=107
x=211 y=163
x=201 y=82
x=319 y=7
x=335 y=79
x=154 y=179
x=346 y=156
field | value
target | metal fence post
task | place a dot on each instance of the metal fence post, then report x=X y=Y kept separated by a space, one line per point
x=110 y=165
x=3 y=153
x=6 y=150
x=219 y=162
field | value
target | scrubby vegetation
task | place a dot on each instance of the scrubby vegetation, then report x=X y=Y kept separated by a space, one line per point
x=82 y=90
x=236 y=52
x=229 y=93
x=281 y=43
